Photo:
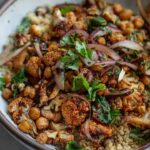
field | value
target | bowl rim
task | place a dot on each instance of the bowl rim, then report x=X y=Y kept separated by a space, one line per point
x=22 y=137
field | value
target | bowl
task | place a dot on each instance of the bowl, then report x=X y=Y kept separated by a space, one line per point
x=11 y=14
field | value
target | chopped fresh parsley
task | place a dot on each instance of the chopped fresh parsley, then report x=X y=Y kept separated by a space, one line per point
x=133 y=36
x=24 y=25
x=73 y=146
x=2 y=83
x=70 y=61
x=80 y=82
x=106 y=114
x=66 y=9
x=68 y=40
x=140 y=134
x=19 y=77
x=106 y=30
x=83 y=50
x=94 y=88
x=98 y=21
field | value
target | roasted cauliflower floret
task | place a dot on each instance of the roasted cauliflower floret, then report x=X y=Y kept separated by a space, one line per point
x=50 y=58
x=33 y=66
x=75 y=111
x=20 y=103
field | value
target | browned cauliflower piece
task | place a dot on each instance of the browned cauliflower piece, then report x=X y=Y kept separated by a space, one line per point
x=75 y=111
x=33 y=66
x=19 y=103
x=50 y=58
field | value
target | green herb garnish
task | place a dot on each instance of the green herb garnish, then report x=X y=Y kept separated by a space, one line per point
x=106 y=114
x=71 y=61
x=73 y=146
x=24 y=25
x=140 y=134
x=79 y=83
x=94 y=88
x=19 y=77
x=66 y=9
x=2 y=83
x=98 y=21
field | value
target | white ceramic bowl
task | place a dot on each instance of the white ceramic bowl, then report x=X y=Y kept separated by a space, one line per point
x=11 y=14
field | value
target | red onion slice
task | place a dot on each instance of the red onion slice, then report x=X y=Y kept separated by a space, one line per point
x=134 y=67
x=82 y=32
x=38 y=51
x=60 y=79
x=7 y=55
x=105 y=50
x=128 y=44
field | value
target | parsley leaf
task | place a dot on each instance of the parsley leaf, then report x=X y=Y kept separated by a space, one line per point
x=24 y=25
x=70 y=61
x=66 y=9
x=95 y=86
x=19 y=77
x=140 y=134
x=79 y=83
x=73 y=146
x=2 y=83
x=68 y=40
x=83 y=50
x=106 y=114
x=98 y=21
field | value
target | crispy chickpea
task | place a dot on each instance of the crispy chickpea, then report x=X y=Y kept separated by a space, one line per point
x=126 y=14
x=140 y=37
x=42 y=123
x=34 y=113
x=104 y=79
x=101 y=40
x=47 y=72
x=122 y=25
x=42 y=138
x=7 y=93
x=7 y=78
x=118 y=8
x=29 y=92
x=24 y=126
x=116 y=37
x=145 y=80
x=129 y=28
x=138 y=22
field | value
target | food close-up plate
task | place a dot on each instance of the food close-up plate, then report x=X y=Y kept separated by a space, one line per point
x=75 y=74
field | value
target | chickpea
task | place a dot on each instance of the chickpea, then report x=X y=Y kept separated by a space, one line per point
x=118 y=8
x=145 y=80
x=8 y=78
x=104 y=79
x=129 y=28
x=122 y=25
x=116 y=37
x=29 y=92
x=141 y=109
x=47 y=72
x=7 y=93
x=130 y=25
x=126 y=14
x=42 y=123
x=140 y=37
x=101 y=40
x=42 y=138
x=24 y=126
x=138 y=22
x=34 y=113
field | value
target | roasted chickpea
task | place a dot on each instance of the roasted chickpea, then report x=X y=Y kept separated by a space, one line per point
x=34 y=113
x=47 y=72
x=42 y=138
x=126 y=14
x=101 y=40
x=7 y=78
x=138 y=22
x=42 y=123
x=7 y=93
x=104 y=79
x=29 y=92
x=25 y=126
x=129 y=28
x=145 y=80
x=117 y=8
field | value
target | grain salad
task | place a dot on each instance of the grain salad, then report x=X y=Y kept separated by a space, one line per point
x=78 y=76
